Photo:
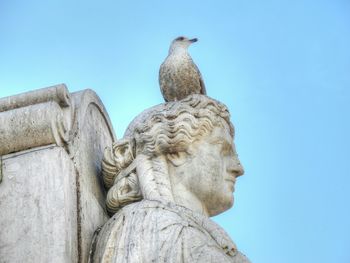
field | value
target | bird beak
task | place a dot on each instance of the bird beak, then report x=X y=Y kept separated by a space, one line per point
x=193 y=40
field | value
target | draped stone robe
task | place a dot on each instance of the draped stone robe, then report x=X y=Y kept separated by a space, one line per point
x=154 y=231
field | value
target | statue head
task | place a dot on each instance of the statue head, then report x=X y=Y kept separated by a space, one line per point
x=181 y=152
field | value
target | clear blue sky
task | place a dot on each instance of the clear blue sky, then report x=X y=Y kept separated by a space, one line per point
x=282 y=67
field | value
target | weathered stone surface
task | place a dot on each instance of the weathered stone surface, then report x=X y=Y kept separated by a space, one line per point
x=51 y=195
x=179 y=159
x=38 y=217
x=93 y=134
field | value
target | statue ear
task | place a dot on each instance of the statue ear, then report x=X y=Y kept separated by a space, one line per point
x=178 y=158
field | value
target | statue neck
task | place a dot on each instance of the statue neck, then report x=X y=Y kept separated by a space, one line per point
x=183 y=197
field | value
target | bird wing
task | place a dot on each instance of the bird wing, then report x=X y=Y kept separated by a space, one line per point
x=201 y=81
x=161 y=73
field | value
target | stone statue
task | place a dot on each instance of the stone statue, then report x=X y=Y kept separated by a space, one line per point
x=175 y=167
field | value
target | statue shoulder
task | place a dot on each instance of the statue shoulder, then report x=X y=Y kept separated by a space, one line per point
x=150 y=230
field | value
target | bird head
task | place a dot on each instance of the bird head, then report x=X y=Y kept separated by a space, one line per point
x=181 y=43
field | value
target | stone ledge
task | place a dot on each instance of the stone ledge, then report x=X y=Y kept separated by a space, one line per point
x=36 y=118
x=46 y=116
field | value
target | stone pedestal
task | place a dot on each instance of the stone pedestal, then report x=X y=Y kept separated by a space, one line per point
x=51 y=195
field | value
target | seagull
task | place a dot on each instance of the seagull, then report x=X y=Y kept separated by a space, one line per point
x=179 y=76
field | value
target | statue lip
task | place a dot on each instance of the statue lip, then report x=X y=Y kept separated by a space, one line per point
x=231 y=178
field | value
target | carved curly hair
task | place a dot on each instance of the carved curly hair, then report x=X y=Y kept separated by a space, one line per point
x=136 y=167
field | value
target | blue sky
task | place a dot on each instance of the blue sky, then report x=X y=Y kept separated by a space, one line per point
x=282 y=68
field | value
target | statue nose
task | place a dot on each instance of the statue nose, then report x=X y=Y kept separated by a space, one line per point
x=236 y=167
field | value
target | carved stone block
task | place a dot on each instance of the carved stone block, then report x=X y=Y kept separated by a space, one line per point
x=51 y=195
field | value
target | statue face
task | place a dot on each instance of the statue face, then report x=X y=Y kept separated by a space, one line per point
x=211 y=169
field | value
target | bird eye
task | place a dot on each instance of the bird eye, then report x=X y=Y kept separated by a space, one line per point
x=180 y=38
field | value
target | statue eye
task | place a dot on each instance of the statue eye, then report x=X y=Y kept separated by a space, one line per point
x=180 y=38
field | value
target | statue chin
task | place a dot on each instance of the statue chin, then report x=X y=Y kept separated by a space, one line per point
x=221 y=207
